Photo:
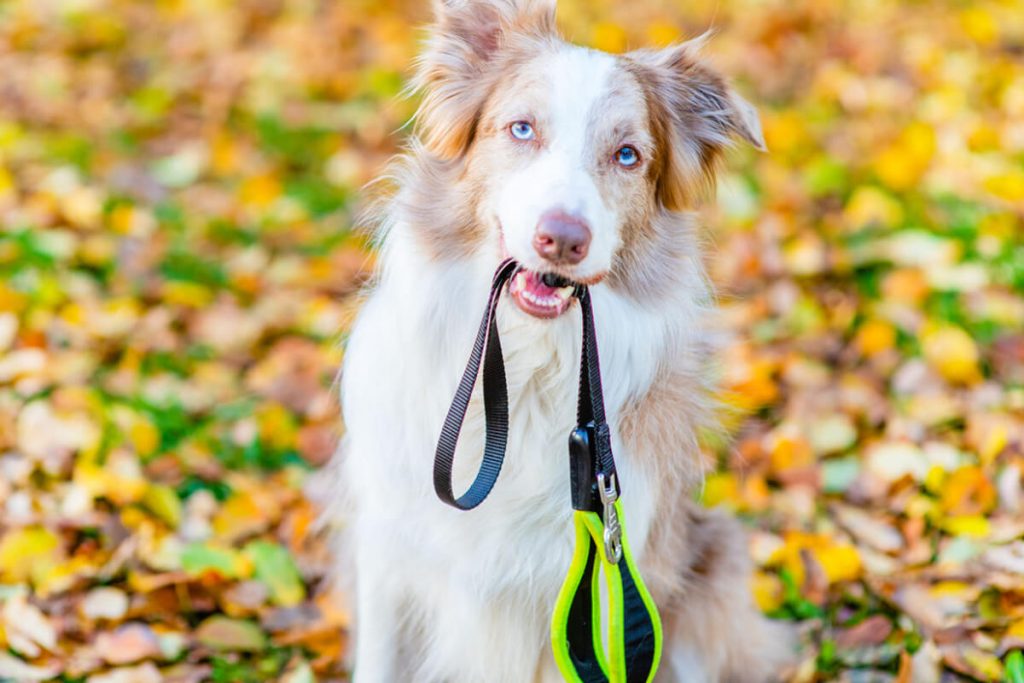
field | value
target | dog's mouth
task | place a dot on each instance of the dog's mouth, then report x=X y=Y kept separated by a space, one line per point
x=542 y=295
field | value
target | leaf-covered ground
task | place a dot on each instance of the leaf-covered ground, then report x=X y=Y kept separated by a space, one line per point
x=177 y=262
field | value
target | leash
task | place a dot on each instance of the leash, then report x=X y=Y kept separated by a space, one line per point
x=577 y=638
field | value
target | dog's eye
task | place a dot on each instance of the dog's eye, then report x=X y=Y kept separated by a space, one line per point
x=627 y=156
x=522 y=130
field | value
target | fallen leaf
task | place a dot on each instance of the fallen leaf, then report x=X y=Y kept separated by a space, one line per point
x=104 y=603
x=29 y=631
x=872 y=631
x=128 y=643
x=273 y=566
x=222 y=633
x=14 y=669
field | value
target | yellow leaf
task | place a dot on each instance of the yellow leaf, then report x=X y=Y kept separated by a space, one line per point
x=751 y=385
x=1008 y=185
x=985 y=663
x=875 y=336
x=974 y=526
x=954 y=589
x=143 y=435
x=239 y=516
x=968 y=491
x=260 y=191
x=721 y=488
x=28 y=554
x=608 y=37
x=1016 y=630
x=901 y=165
x=983 y=138
x=662 y=33
x=768 y=591
x=785 y=132
x=791 y=452
x=190 y=294
x=119 y=479
x=163 y=502
x=870 y=206
x=276 y=426
x=841 y=562
x=979 y=25
x=993 y=443
x=906 y=285
x=224 y=154
x=11 y=300
x=935 y=479
x=120 y=219
x=6 y=183
x=952 y=352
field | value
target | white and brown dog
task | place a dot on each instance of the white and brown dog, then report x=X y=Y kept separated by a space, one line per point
x=582 y=164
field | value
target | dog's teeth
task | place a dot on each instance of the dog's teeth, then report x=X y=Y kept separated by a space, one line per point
x=520 y=280
x=565 y=292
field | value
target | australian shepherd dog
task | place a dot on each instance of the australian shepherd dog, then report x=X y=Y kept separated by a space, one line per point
x=585 y=165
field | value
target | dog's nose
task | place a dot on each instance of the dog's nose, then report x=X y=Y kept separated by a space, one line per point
x=562 y=238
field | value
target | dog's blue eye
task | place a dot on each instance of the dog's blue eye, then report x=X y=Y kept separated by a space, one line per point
x=627 y=156
x=521 y=130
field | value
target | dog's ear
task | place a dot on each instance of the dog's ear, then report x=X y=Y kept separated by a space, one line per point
x=695 y=115
x=456 y=68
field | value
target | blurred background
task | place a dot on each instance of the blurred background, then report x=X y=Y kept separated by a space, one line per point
x=178 y=180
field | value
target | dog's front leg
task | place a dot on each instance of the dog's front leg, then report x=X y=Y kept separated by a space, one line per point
x=378 y=630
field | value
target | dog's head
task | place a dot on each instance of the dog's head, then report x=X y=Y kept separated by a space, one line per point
x=569 y=155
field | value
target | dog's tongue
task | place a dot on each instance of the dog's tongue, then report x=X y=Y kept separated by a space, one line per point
x=542 y=296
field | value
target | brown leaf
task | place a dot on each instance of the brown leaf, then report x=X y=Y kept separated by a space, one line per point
x=128 y=643
x=29 y=631
x=14 y=669
x=222 y=633
x=142 y=673
x=873 y=531
x=872 y=631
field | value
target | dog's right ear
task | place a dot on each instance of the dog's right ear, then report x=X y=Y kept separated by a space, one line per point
x=457 y=67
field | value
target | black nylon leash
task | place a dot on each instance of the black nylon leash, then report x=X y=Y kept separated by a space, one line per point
x=577 y=641
x=495 y=407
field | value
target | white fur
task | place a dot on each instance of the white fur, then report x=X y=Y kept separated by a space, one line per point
x=559 y=176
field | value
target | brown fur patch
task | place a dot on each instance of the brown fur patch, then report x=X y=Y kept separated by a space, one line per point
x=462 y=61
x=694 y=114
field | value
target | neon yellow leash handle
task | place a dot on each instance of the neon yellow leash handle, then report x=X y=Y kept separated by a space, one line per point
x=634 y=627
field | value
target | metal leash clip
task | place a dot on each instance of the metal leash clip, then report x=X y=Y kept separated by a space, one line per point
x=609 y=492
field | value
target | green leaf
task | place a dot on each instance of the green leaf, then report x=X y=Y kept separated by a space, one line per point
x=273 y=566
x=222 y=633
x=1015 y=667
x=199 y=558
x=163 y=502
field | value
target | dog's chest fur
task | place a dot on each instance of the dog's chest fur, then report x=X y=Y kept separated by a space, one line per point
x=404 y=359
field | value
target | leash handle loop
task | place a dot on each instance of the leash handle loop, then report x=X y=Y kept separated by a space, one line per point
x=634 y=627
x=495 y=407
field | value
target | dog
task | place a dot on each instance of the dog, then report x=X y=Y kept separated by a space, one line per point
x=584 y=165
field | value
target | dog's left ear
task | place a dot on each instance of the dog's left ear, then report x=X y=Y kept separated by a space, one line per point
x=696 y=114
x=457 y=67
